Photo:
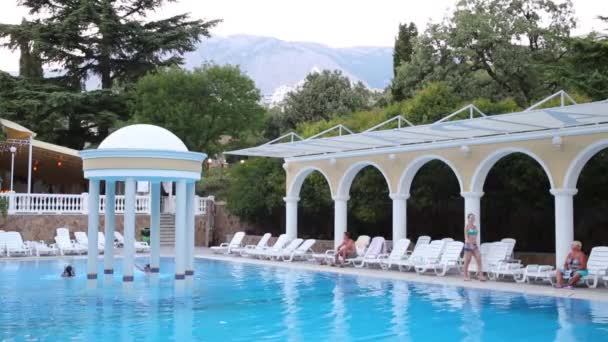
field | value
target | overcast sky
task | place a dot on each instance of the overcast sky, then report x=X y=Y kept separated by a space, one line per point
x=337 y=23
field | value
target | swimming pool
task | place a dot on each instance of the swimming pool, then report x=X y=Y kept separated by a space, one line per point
x=234 y=301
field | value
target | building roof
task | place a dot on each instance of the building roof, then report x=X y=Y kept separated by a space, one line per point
x=404 y=135
x=143 y=137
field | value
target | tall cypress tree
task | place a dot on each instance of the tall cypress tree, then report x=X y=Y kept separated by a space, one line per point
x=404 y=45
x=110 y=39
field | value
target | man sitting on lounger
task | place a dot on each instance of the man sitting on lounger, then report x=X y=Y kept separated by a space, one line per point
x=575 y=266
x=346 y=249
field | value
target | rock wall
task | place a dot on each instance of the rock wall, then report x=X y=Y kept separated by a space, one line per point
x=43 y=227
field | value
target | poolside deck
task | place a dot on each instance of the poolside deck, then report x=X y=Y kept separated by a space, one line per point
x=540 y=289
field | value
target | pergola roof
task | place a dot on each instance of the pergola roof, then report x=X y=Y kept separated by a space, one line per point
x=533 y=119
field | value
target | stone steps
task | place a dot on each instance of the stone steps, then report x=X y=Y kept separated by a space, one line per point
x=167 y=230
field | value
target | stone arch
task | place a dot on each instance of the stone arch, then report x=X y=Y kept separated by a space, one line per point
x=481 y=173
x=578 y=163
x=350 y=174
x=405 y=181
x=293 y=190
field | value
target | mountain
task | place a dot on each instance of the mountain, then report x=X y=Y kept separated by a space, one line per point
x=277 y=66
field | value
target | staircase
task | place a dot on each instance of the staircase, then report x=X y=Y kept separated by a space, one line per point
x=167 y=230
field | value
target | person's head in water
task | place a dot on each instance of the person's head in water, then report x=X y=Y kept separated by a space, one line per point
x=147 y=268
x=68 y=271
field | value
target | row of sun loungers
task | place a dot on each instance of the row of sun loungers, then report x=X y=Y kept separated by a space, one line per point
x=438 y=256
x=12 y=244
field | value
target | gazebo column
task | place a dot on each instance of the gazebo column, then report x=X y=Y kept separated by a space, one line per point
x=399 y=216
x=180 y=230
x=155 y=227
x=472 y=205
x=93 y=228
x=129 y=233
x=110 y=223
x=291 y=217
x=190 y=236
x=564 y=223
x=340 y=216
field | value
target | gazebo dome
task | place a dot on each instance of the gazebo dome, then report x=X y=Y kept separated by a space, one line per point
x=143 y=137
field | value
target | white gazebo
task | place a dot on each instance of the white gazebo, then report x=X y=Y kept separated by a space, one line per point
x=142 y=153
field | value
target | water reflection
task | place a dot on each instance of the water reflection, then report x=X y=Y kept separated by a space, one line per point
x=340 y=327
x=472 y=324
x=565 y=330
x=289 y=283
x=400 y=300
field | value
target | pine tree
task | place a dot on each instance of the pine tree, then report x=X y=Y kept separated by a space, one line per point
x=110 y=39
x=404 y=45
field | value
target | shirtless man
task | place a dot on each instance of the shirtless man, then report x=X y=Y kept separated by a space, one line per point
x=346 y=249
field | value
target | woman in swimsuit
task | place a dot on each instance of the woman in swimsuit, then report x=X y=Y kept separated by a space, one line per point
x=575 y=266
x=471 y=249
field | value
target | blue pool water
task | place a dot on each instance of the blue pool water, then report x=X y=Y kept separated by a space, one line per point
x=239 y=302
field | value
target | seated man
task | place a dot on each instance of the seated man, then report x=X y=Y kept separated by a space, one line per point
x=346 y=249
x=575 y=266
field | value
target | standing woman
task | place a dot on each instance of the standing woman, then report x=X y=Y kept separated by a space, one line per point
x=471 y=249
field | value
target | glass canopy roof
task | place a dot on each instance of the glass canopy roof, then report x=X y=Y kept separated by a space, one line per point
x=402 y=133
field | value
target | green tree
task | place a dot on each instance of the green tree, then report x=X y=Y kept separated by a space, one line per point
x=402 y=53
x=256 y=191
x=322 y=95
x=58 y=115
x=493 y=49
x=107 y=38
x=404 y=45
x=201 y=106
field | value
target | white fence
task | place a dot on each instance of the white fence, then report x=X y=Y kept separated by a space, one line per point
x=77 y=204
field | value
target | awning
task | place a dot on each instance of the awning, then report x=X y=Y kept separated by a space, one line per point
x=402 y=133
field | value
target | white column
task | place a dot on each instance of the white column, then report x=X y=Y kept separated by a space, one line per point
x=155 y=227
x=129 y=233
x=29 y=168
x=564 y=223
x=291 y=217
x=190 y=236
x=110 y=223
x=340 y=217
x=93 y=204
x=399 y=216
x=180 y=230
x=472 y=205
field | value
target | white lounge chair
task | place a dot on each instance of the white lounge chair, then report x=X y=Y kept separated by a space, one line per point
x=63 y=232
x=303 y=252
x=40 y=248
x=279 y=244
x=497 y=262
x=140 y=246
x=448 y=260
x=279 y=253
x=399 y=252
x=423 y=240
x=14 y=244
x=83 y=240
x=226 y=247
x=535 y=272
x=416 y=256
x=362 y=243
x=66 y=246
x=375 y=249
x=262 y=244
x=430 y=257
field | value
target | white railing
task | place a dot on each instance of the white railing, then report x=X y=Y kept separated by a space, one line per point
x=19 y=203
